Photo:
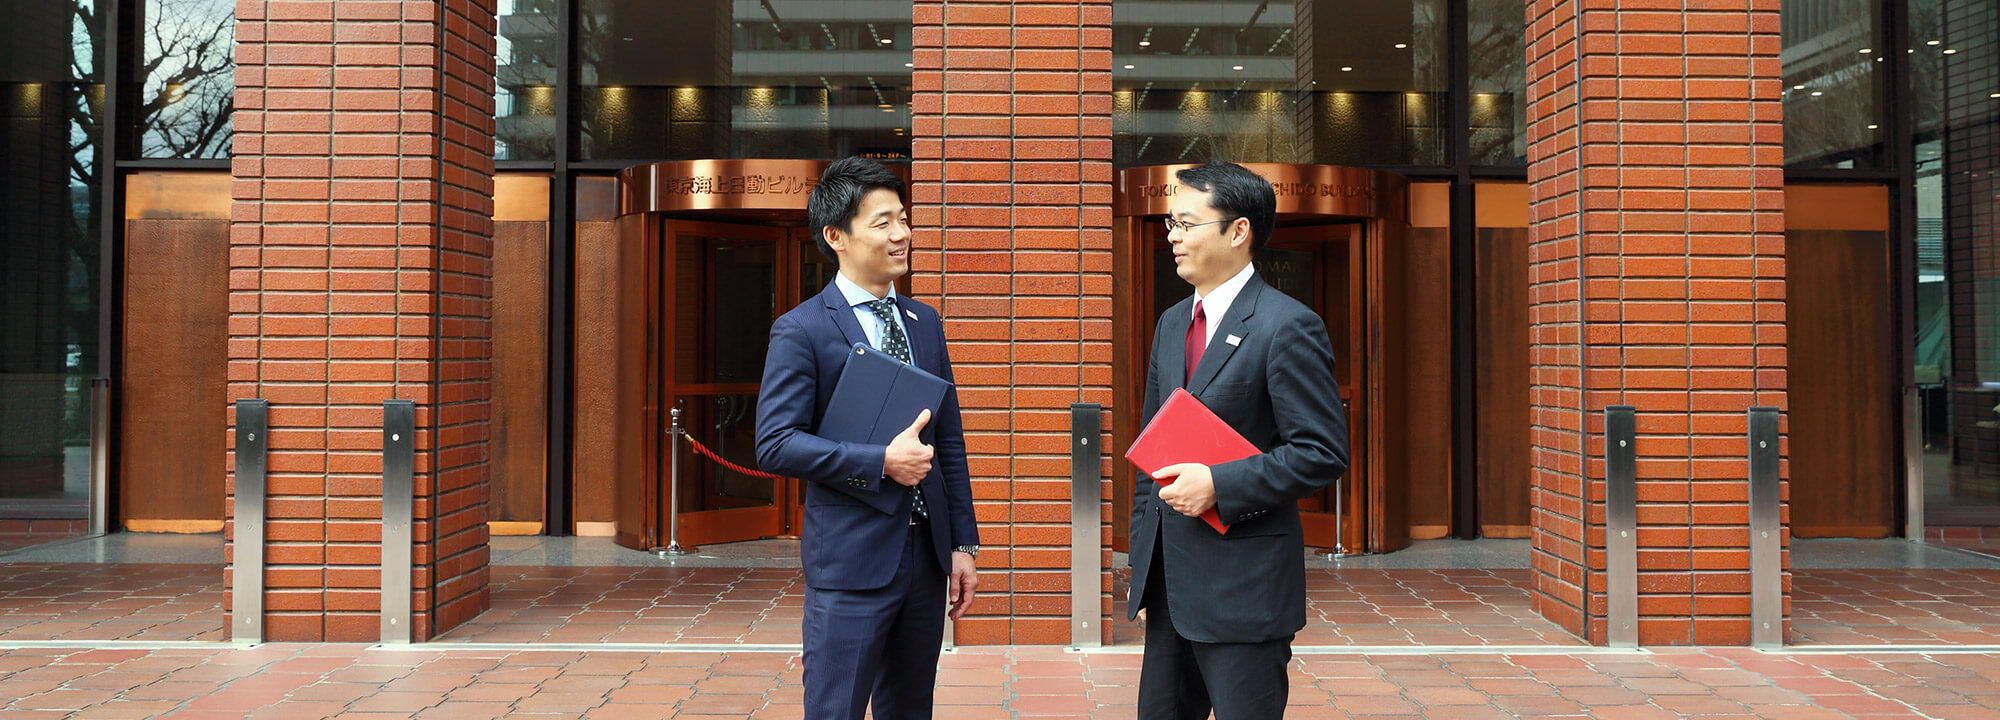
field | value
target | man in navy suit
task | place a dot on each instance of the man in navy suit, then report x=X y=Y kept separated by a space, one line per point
x=877 y=583
x=1220 y=610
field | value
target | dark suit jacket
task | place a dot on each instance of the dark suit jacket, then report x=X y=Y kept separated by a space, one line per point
x=848 y=544
x=1276 y=387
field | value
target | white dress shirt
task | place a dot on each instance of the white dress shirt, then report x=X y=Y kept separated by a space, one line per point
x=1217 y=303
x=871 y=323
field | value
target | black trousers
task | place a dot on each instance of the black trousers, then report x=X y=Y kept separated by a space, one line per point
x=1183 y=679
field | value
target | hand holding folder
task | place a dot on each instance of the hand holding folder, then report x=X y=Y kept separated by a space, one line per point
x=1185 y=431
x=876 y=398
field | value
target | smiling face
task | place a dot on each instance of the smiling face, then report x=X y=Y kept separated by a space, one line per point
x=1206 y=255
x=876 y=248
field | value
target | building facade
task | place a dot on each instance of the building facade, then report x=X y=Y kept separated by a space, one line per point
x=561 y=229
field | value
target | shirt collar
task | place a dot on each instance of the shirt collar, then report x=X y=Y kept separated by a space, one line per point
x=853 y=292
x=1217 y=303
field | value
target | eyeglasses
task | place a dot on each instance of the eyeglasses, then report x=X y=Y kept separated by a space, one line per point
x=1173 y=224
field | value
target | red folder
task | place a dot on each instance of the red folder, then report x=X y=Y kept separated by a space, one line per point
x=1185 y=431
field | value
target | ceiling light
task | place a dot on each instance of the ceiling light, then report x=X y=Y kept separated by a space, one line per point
x=1238 y=67
x=1800 y=86
x=1128 y=67
x=1994 y=95
x=1145 y=43
x=1949 y=51
x=909 y=64
x=1400 y=46
x=886 y=41
x=1934 y=42
x=1872 y=127
x=1865 y=51
x=1817 y=93
x=1346 y=69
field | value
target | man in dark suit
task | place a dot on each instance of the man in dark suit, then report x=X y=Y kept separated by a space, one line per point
x=1221 y=610
x=885 y=525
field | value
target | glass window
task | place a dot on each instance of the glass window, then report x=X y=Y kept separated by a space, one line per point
x=1497 y=43
x=51 y=174
x=187 y=77
x=1833 y=112
x=524 y=102
x=1955 y=60
x=1313 y=81
x=743 y=78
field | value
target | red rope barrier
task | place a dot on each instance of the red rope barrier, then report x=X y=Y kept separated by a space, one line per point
x=705 y=452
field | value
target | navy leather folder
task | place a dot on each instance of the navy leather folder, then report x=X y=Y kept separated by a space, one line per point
x=876 y=398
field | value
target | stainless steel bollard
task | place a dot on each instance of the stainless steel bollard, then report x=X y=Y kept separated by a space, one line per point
x=399 y=444
x=100 y=456
x=1621 y=531
x=246 y=594
x=674 y=546
x=1086 y=526
x=1767 y=601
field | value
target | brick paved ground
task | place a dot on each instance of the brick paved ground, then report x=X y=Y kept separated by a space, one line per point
x=1349 y=607
x=125 y=601
x=301 y=682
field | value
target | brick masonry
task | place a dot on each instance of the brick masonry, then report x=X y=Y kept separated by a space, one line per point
x=360 y=271
x=1657 y=280
x=1012 y=149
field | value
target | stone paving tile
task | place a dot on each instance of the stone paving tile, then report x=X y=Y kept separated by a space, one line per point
x=1897 y=606
x=300 y=682
x=653 y=605
x=86 y=602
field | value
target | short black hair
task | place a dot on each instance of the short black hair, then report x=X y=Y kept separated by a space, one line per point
x=837 y=197
x=1238 y=193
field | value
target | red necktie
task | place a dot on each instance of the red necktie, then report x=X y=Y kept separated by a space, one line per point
x=1197 y=340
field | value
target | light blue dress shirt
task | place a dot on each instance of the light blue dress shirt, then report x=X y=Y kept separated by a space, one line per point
x=871 y=323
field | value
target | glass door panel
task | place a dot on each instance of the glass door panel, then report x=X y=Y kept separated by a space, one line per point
x=723 y=287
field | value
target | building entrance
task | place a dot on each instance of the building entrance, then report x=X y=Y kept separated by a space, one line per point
x=1340 y=232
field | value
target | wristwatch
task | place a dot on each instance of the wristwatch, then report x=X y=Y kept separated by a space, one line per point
x=972 y=550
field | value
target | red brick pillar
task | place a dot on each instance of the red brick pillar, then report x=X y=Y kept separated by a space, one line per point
x=1657 y=265
x=1012 y=190
x=361 y=272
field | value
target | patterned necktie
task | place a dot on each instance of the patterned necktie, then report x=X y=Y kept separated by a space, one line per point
x=898 y=346
x=1197 y=340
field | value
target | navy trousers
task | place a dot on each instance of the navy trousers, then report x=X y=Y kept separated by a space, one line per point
x=881 y=644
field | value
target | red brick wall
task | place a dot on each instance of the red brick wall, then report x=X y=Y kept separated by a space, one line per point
x=360 y=272
x=1012 y=175
x=1657 y=270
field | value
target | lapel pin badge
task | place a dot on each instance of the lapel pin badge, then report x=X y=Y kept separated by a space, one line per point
x=1233 y=340
x=912 y=315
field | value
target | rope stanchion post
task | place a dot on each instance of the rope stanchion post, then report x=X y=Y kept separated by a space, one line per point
x=674 y=547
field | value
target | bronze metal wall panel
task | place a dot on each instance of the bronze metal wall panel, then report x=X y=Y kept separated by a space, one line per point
x=597 y=393
x=1839 y=378
x=1501 y=378
x=520 y=370
x=1425 y=295
x=174 y=384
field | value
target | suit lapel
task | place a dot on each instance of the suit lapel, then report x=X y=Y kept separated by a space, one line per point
x=1173 y=348
x=1236 y=324
x=842 y=315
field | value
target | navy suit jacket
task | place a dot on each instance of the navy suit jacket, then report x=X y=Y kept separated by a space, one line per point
x=1268 y=372
x=848 y=544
